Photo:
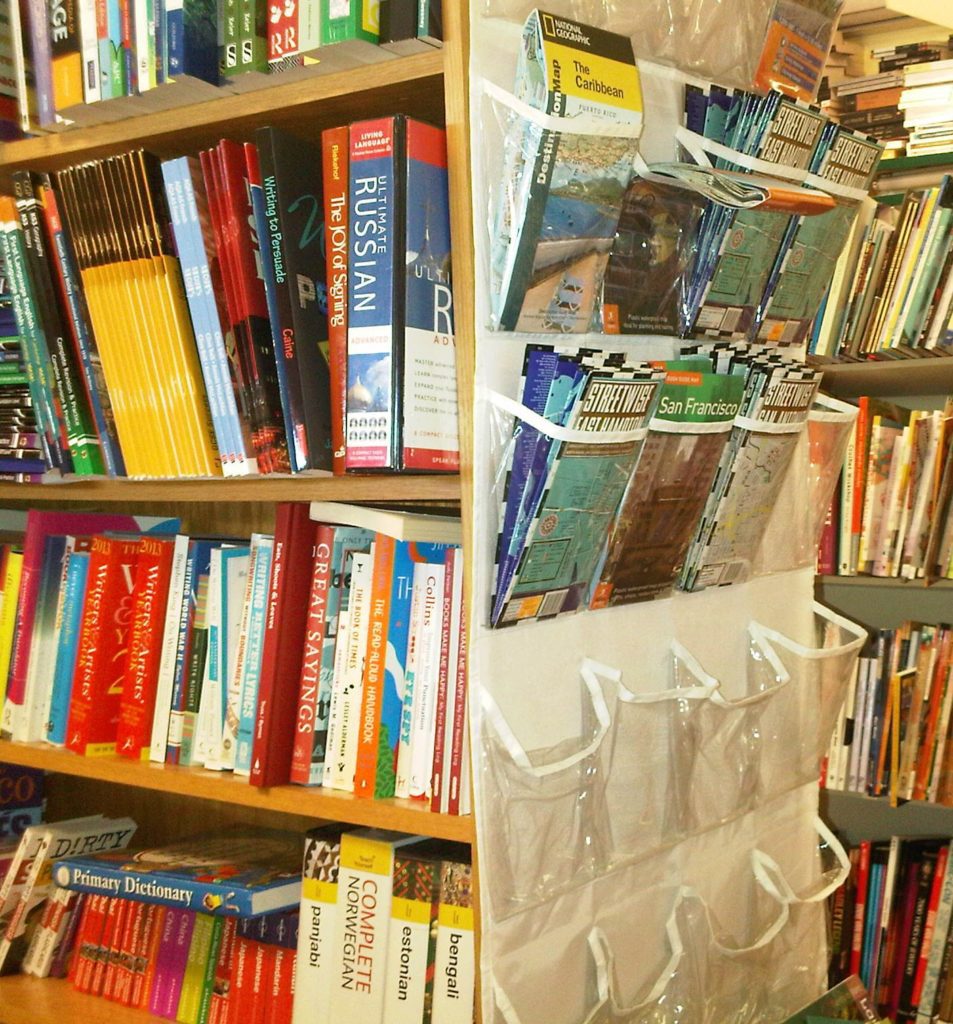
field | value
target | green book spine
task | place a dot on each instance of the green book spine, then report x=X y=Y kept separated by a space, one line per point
x=211 y=963
x=190 y=999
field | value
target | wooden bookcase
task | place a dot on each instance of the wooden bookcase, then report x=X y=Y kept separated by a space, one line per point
x=173 y=801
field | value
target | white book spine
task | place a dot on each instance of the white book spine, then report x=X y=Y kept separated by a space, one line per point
x=170 y=643
x=334 y=712
x=408 y=948
x=425 y=683
x=208 y=726
x=234 y=697
x=344 y=755
x=402 y=781
x=38 y=729
x=941 y=928
x=316 y=933
x=454 y=966
x=89 y=44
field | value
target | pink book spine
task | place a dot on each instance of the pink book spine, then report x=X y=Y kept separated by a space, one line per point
x=169 y=963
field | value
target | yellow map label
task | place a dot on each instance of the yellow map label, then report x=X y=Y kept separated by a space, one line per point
x=592 y=77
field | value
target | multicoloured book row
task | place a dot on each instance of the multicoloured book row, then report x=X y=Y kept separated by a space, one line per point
x=326 y=654
x=584 y=237
x=62 y=60
x=891 y=294
x=627 y=479
x=240 y=312
x=891 y=925
x=892 y=737
x=371 y=926
x=892 y=515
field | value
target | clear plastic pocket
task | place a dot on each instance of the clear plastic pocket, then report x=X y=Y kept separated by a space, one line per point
x=798 y=723
x=546 y=826
x=652 y=754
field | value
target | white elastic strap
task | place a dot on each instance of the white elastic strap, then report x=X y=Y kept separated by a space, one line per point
x=605 y=963
x=761 y=427
x=857 y=633
x=577 y=124
x=646 y=173
x=768 y=935
x=565 y=434
x=701 y=148
x=781 y=888
x=706 y=684
x=516 y=750
x=833 y=410
x=658 y=426
x=836 y=188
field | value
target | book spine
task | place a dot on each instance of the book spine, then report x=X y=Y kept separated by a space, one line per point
x=253 y=655
x=426 y=679
x=190 y=998
x=67 y=649
x=111 y=951
x=176 y=600
x=438 y=744
x=307 y=758
x=335 y=150
x=316 y=935
x=89 y=40
x=217 y=976
x=403 y=760
x=38 y=30
x=65 y=952
x=375 y=658
x=373 y=313
x=454 y=961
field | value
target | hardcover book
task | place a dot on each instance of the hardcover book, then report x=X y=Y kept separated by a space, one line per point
x=239 y=873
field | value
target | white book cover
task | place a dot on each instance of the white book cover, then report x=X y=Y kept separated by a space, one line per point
x=178 y=597
x=413 y=526
x=455 y=962
x=426 y=678
x=359 y=956
x=891 y=509
x=402 y=781
x=941 y=928
x=316 y=926
x=334 y=716
x=208 y=724
x=89 y=46
x=47 y=937
x=46 y=681
x=455 y=610
x=914 y=547
x=233 y=700
x=253 y=651
x=860 y=712
x=342 y=757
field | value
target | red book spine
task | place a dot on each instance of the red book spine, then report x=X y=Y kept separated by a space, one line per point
x=281 y=995
x=309 y=683
x=335 y=157
x=459 y=719
x=262 y=966
x=942 y=865
x=142 y=986
x=142 y=952
x=241 y=997
x=860 y=906
x=222 y=985
x=111 y=952
x=861 y=444
x=153 y=570
x=437 y=780
x=369 y=723
x=90 y=927
x=101 y=953
x=103 y=645
x=285 y=623
x=827 y=547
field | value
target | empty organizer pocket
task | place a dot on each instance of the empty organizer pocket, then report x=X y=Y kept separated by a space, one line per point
x=545 y=826
x=653 y=751
x=798 y=724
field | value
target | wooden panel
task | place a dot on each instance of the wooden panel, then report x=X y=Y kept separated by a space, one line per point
x=398 y=487
x=222 y=787
x=307 y=104
x=26 y=1000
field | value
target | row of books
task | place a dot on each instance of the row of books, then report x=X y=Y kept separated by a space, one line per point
x=63 y=61
x=890 y=924
x=326 y=654
x=663 y=248
x=891 y=293
x=892 y=514
x=678 y=490
x=892 y=735
x=177 y=928
x=198 y=317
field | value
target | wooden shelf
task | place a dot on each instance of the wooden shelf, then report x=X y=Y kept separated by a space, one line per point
x=927 y=375
x=198 y=784
x=25 y=1000
x=856 y=816
x=398 y=487
x=307 y=100
x=884 y=583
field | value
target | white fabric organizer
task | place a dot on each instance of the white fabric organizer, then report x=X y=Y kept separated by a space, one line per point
x=645 y=776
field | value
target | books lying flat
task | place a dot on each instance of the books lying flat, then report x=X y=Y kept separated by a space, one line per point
x=399 y=525
x=239 y=873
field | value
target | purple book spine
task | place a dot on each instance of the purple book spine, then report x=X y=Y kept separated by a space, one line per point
x=177 y=961
x=165 y=961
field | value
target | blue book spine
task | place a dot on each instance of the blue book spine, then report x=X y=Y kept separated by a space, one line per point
x=219 y=366
x=175 y=175
x=118 y=878
x=406 y=556
x=67 y=647
x=299 y=458
x=162 y=42
x=17 y=820
x=253 y=650
x=429 y=437
x=228 y=616
x=372 y=426
x=111 y=54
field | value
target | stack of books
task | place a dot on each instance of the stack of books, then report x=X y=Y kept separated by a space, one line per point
x=892 y=515
x=870 y=104
x=891 y=294
x=328 y=654
x=233 y=313
x=927 y=104
x=65 y=69
x=892 y=736
x=891 y=926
